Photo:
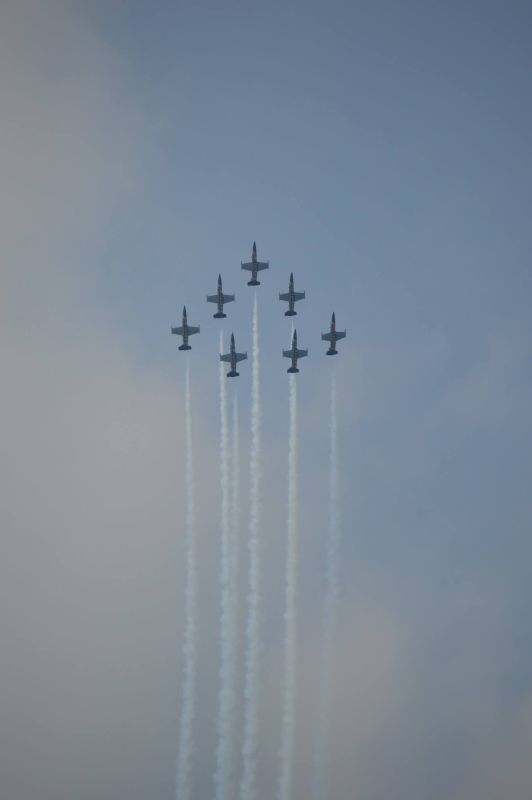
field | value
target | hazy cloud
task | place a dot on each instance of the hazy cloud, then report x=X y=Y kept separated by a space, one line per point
x=432 y=691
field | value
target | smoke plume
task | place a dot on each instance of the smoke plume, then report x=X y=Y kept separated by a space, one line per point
x=321 y=756
x=186 y=732
x=226 y=700
x=289 y=685
x=252 y=678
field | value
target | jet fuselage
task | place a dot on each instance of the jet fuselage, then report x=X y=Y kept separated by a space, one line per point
x=232 y=357
x=291 y=297
x=332 y=337
x=294 y=354
x=185 y=330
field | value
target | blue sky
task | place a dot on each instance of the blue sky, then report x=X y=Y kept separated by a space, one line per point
x=382 y=152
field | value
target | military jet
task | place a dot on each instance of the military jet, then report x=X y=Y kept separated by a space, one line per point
x=220 y=298
x=233 y=357
x=254 y=266
x=333 y=337
x=291 y=297
x=294 y=354
x=185 y=330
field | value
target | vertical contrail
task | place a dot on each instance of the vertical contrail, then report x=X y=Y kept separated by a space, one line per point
x=235 y=498
x=186 y=724
x=321 y=757
x=225 y=723
x=235 y=551
x=289 y=685
x=251 y=679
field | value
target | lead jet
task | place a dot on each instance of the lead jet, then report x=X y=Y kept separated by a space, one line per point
x=254 y=266
x=233 y=357
x=332 y=337
x=294 y=354
x=220 y=298
x=185 y=330
x=291 y=297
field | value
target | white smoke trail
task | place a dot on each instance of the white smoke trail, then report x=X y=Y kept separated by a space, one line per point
x=235 y=550
x=186 y=724
x=289 y=686
x=235 y=516
x=252 y=677
x=321 y=757
x=225 y=722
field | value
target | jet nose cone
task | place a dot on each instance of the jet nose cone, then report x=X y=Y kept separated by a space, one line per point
x=232 y=338
x=333 y=317
x=291 y=277
x=219 y=280
x=254 y=247
x=184 y=311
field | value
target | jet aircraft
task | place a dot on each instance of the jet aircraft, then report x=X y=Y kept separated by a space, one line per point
x=291 y=297
x=233 y=357
x=333 y=337
x=185 y=330
x=254 y=266
x=220 y=298
x=294 y=354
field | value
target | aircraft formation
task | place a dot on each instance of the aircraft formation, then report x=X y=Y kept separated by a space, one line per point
x=291 y=297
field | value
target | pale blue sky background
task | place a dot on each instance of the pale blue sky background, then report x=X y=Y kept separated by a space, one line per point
x=381 y=151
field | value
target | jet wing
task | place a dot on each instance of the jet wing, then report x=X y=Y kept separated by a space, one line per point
x=192 y=329
x=284 y=297
x=340 y=334
x=299 y=296
x=327 y=337
x=287 y=353
x=228 y=298
x=248 y=265
x=240 y=356
x=226 y=357
x=212 y=298
x=301 y=353
x=179 y=331
x=262 y=265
